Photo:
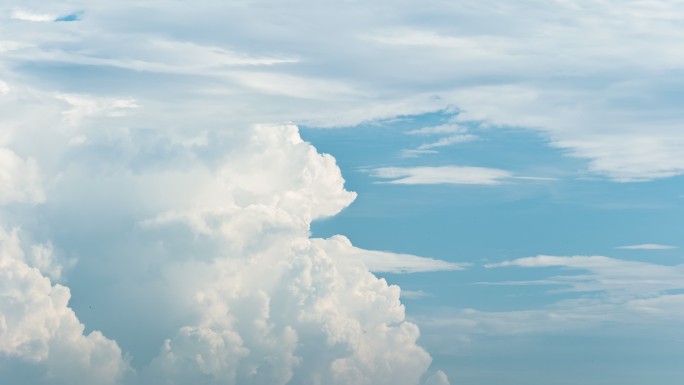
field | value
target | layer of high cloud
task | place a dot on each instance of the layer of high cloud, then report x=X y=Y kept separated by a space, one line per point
x=569 y=69
x=442 y=175
x=647 y=246
x=385 y=262
x=608 y=294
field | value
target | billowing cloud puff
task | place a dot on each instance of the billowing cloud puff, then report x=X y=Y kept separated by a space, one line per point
x=38 y=327
x=439 y=378
x=293 y=316
x=272 y=306
x=19 y=179
x=200 y=268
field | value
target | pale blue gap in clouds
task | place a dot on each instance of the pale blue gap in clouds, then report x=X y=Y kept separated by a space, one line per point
x=562 y=210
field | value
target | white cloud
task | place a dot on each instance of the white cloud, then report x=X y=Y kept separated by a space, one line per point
x=442 y=175
x=647 y=246
x=450 y=134
x=78 y=140
x=37 y=326
x=438 y=378
x=606 y=274
x=413 y=153
x=532 y=67
x=448 y=141
x=292 y=316
x=43 y=258
x=24 y=15
x=83 y=107
x=438 y=130
x=594 y=293
x=383 y=261
x=216 y=272
x=20 y=180
x=414 y=294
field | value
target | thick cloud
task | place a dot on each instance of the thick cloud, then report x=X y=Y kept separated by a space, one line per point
x=293 y=315
x=271 y=306
x=199 y=266
x=37 y=326
x=19 y=179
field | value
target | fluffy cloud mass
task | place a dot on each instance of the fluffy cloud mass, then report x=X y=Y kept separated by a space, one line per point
x=220 y=248
x=189 y=258
x=37 y=327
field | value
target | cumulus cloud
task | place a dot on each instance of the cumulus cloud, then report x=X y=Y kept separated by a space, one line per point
x=38 y=327
x=20 y=179
x=274 y=307
x=293 y=316
x=438 y=378
x=83 y=107
x=216 y=272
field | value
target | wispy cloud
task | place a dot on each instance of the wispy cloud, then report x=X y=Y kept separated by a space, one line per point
x=442 y=175
x=615 y=277
x=447 y=141
x=24 y=15
x=447 y=135
x=414 y=294
x=384 y=261
x=596 y=291
x=439 y=130
x=647 y=246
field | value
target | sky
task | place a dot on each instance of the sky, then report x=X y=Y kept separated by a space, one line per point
x=344 y=193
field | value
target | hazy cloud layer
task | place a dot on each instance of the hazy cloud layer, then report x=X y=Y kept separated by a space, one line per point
x=608 y=293
x=647 y=246
x=580 y=72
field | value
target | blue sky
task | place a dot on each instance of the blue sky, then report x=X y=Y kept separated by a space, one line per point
x=567 y=214
x=395 y=192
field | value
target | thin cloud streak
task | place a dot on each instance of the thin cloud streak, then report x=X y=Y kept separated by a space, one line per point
x=441 y=175
x=647 y=246
x=457 y=175
x=386 y=262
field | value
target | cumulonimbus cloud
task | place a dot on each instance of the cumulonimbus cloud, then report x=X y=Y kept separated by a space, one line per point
x=205 y=258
